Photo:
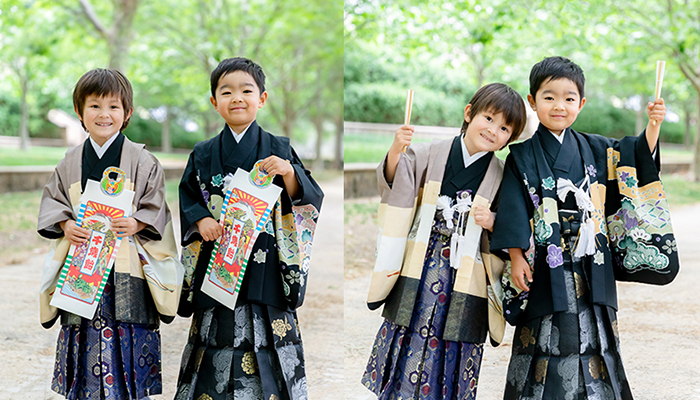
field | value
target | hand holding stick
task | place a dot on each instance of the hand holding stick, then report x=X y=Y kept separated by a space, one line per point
x=409 y=105
x=660 y=66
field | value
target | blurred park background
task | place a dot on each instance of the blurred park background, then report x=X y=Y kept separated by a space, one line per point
x=167 y=49
x=445 y=51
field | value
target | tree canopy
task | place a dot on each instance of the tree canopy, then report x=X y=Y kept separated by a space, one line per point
x=167 y=49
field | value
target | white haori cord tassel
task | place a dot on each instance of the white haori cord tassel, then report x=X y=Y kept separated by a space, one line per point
x=458 y=242
x=586 y=234
x=444 y=204
x=458 y=239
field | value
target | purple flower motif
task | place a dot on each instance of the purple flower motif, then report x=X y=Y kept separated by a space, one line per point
x=624 y=175
x=535 y=199
x=205 y=194
x=592 y=171
x=630 y=220
x=555 y=257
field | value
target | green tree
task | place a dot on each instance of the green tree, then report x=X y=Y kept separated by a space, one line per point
x=28 y=30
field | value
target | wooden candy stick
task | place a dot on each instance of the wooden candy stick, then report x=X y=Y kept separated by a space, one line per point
x=409 y=105
x=660 y=66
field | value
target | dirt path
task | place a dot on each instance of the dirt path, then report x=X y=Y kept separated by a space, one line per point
x=27 y=351
x=659 y=330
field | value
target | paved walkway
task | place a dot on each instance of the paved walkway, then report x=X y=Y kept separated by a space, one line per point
x=27 y=350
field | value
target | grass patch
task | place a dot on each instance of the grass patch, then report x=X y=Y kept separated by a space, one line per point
x=52 y=155
x=362 y=210
x=680 y=190
x=20 y=211
x=171 y=193
x=367 y=147
x=676 y=153
x=33 y=156
x=325 y=174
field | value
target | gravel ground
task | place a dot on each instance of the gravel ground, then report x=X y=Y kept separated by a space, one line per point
x=27 y=350
x=659 y=328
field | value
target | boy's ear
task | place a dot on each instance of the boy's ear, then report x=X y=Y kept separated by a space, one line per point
x=531 y=100
x=75 y=108
x=583 y=101
x=263 y=99
x=466 y=113
x=213 y=101
x=128 y=115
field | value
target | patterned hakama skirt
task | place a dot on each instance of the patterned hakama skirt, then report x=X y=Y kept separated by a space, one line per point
x=414 y=362
x=252 y=353
x=107 y=359
x=571 y=355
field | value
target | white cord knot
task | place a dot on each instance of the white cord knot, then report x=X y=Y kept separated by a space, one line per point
x=586 y=233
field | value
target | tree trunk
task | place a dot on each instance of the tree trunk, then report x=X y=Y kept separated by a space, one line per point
x=339 y=142
x=639 y=121
x=24 y=113
x=318 y=124
x=165 y=142
x=287 y=125
x=688 y=117
x=211 y=124
x=696 y=151
x=121 y=33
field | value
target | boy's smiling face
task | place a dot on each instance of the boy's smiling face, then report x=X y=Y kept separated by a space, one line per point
x=103 y=116
x=487 y=131
x=238 y=99
x=557 y=103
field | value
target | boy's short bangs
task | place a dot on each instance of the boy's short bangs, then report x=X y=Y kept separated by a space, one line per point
x=499 y=98
x=104 y=82
x=553 y=68
x=230 y=65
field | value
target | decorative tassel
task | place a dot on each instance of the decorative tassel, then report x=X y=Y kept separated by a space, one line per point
x=586 y=233
x=583 y=200
x=444 y=203
x=458 y=240
x=453 y=250
x=586 y=239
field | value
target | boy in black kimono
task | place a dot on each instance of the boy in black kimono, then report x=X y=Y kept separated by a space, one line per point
x=577 y=211
x=255 y=350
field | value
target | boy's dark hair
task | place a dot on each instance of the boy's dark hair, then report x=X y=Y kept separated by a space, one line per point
x=499 y=98
x=230 y=65
x=552 y=68
x=103 y=82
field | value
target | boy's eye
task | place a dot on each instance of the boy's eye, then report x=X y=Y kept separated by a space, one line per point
x=504 y=129
x=489 y=118
x=570 y=99
x=247 y=91
x=549 y=98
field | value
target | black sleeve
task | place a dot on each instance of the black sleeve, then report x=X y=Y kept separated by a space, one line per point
x=192 y=205
x=512 y=226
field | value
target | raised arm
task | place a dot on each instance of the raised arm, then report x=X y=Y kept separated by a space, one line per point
x=656 y=112
x=402 y=138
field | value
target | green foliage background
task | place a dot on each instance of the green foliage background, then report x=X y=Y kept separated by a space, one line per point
x=174 y=46
x=445 y=51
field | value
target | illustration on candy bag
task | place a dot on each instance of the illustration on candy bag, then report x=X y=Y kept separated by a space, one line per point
x=87 y=266
x=250 y=197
